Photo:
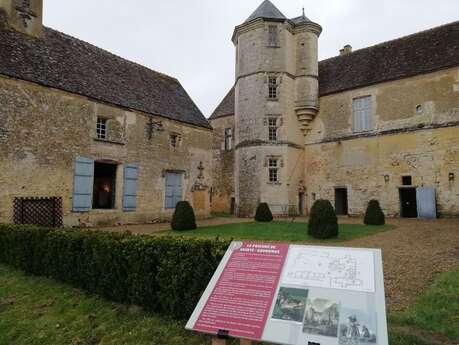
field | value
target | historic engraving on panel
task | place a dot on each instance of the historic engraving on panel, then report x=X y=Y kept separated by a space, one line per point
x=290 y=304
x=321 y=317
x=357 y=327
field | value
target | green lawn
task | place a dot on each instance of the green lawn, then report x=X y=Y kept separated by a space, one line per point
x=39 y=311
x=275 y=231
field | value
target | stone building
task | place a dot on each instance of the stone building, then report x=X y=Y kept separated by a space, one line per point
x=376 y=123
x=87 y=137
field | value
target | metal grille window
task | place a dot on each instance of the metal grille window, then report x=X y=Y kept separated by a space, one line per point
x=272 y=88
x=228 y=139
x=273 y=170
x=362 y=114
x=272 y=36
x=272 y=129
x=101 y=128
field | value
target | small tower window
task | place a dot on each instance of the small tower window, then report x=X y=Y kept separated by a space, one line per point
x=272 y=129
x=174 y=140
x=101 y=128
x=273 y=170
x=407 y=180
x=273 y=36
x=272 y=88
x=228 y=139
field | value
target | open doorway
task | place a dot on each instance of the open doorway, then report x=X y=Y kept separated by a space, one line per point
x=233 y=206
x=408 y=203
x=301 y=204
x=341 y=204
x=104 y=186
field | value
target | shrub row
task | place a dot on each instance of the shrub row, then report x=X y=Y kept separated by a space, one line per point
x=163 y=275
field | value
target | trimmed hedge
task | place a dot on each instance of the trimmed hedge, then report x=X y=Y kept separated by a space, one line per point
x=323 y=223
x=163 y=275
x=374 y=214
x=183 y=218
x=263 y=213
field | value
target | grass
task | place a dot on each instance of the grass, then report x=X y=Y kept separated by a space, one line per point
x=39 y=311
x=437 y=309
x=275 y=231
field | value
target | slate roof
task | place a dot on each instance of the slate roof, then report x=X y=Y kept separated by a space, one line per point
x=63 y=62
x=267 y=10
x=423 y=52
x=420 y=53
x=300 y=20
x=226 y=107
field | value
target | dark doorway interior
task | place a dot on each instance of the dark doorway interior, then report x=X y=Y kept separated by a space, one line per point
x=341 y=205
x=233 y=206
x=409 y=208
x=104 y=186
x=301 y=204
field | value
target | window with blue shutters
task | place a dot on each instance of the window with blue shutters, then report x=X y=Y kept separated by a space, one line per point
x=173 y=189
x=83 y=184
x=362 y=114
x=131 y=175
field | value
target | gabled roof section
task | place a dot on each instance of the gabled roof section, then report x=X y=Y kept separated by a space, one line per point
x=226 y=107
x=63 y=62
x=300 y=20
x=420 y=53
x=266 y=10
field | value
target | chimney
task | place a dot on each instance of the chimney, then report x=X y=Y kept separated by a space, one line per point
x=346 y=50
x=25 y=16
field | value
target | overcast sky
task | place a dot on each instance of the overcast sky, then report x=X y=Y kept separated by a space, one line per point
x=191 y=39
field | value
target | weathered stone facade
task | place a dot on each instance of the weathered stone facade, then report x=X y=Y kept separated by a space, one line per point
x=413 y=121
x=44 y=129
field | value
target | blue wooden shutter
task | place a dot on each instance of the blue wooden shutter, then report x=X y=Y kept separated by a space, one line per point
x=83 y=184
x=131 y=174
x=178 y=189
x=426 y=201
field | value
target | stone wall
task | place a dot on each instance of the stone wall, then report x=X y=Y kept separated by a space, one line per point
x=42 y=130
x=416 y=133
x=223 y=166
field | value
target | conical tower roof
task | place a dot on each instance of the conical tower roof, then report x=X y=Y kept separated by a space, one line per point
x=267 y=10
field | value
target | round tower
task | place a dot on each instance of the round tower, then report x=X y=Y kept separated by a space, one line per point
x=276 y=90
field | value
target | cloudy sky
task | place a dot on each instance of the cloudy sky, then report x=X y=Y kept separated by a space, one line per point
x=191 y=39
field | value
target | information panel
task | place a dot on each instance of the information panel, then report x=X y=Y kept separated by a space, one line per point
x=298 y=295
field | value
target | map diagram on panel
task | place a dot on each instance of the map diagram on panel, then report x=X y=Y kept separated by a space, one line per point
x=330 y=268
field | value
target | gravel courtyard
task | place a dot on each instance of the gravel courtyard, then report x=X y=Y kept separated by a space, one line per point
x=413 y=252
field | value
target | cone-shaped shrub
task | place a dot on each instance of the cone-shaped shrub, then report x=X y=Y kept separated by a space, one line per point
x=183 y=218
x=323 y=223
x=263 y=213
x=374 y=214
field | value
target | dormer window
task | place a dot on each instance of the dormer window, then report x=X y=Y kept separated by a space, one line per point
x=273 y=36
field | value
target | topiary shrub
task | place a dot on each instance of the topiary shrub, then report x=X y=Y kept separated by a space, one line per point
x=183 y=218
x=323 y=223
x=374 y=214
x=263 y=213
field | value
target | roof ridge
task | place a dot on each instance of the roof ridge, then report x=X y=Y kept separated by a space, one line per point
x=392 y=40
x=160 y=74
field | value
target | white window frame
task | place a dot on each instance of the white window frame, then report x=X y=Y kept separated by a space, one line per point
x=273 y=85
x=273 y=170
x=272 y=129
x=362 y=114
x=101 y=128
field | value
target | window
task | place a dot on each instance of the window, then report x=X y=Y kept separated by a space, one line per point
x=272 y=36
x=273 y=170
x=362 y=114
x=407 y=180
x=228 y=139
x=272 y=129
x=101 y=128
x=174 y=140
x=272 y=88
